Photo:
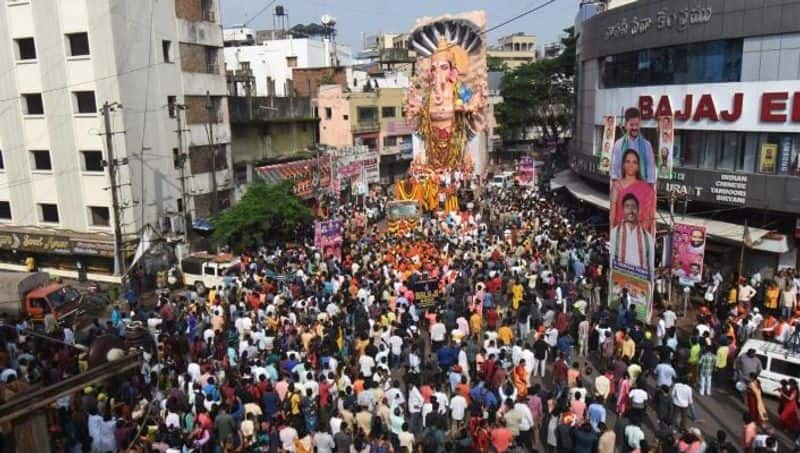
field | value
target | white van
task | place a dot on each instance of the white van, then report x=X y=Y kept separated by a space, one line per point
x=777 y=361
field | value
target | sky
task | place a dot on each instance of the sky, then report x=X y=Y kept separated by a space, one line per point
x=357 y=17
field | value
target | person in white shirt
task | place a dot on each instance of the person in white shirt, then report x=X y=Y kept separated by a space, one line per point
x=458 y=407
x=525 y=425
x=323 y=442
x=682 y=401
x=366 y=363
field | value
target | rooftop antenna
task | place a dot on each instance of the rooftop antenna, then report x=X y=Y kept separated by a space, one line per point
x=329 y=22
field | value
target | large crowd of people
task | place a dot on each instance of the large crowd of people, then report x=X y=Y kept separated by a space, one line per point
x=519 y=350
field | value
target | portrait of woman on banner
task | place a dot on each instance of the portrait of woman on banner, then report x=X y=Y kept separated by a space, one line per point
x=631 y=182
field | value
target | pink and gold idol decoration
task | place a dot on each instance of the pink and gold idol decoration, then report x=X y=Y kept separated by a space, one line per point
x=447 y=98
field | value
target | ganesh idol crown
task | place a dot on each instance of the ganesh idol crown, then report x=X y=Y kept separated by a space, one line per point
x=447 y=99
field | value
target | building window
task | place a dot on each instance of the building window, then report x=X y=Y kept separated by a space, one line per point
x=99 y=216
x=367 y=114
x=92 y=161
x=705 y=62
x=731 y=152
x=84 y=102
x=78 y=44
x=388 y=112
x=328 y=113
x=41 y=160
x=166 y=50
x=48 y=212
x=5 y=210
x=32 y=104
x=291 y=62
x=171 y=101
x=26 y=49
x=346 y=117
x=2 y=161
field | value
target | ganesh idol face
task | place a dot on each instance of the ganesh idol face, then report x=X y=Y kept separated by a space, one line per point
x=442 y=76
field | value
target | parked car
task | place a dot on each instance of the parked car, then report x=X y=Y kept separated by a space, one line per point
x=778 y=363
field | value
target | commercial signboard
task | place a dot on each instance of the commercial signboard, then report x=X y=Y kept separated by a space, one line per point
x=308 y=175
x=785 y=155
x=56 y=244
x=745 y=106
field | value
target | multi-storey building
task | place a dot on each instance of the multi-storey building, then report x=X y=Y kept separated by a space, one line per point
x=728 y=72
x=59 y=64
x=272 y=62
x=514 y=50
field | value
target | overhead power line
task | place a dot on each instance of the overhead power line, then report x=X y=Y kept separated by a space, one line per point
x=259 y=13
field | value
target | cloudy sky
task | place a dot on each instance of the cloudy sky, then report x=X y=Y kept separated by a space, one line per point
x=355 y=17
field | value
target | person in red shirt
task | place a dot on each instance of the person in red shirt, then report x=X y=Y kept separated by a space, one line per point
x=501 y=437
x=560 y=369
x=491 y=319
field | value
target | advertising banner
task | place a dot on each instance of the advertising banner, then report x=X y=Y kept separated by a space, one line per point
x=328 y=237
x=666 y=142
x=607 y=143
x=526 y=171
x=688 y=251
x=769 y=158
x=632 y=223
x=426 y=292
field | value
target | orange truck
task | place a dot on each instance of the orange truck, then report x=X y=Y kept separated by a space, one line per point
x=32 y=295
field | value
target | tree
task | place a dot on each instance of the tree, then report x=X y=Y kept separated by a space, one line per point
x=540 y=95
x=265 y=211
x=496 y=64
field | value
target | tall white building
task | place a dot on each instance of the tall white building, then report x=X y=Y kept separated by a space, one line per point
x=272 y=61
x=59 y=62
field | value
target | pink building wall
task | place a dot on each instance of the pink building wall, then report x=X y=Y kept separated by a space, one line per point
x=334 y=129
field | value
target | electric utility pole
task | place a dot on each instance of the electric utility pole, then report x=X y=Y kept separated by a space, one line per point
x=211 y=119
x=111 y=163
x=179 y=108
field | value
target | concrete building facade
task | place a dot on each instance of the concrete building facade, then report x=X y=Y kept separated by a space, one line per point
x=272 y=62
x=58 y=64
x=729 y=76
x=514 y=50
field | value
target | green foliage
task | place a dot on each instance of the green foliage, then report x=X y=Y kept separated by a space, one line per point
x=540 y=94
x=265 y=211
x=496 y=64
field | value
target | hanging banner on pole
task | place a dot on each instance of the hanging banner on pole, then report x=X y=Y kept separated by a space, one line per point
x=688 y=251
x=525 y=171
x=607 y=143
x=666 y=143
x=632 y=213
x=328 y=237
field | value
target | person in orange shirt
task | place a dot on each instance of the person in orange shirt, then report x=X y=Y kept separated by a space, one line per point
x=521 y=379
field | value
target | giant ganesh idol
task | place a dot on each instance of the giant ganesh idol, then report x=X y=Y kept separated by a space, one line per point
x=446 y=103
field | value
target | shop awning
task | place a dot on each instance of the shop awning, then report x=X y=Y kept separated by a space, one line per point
x=725 y=231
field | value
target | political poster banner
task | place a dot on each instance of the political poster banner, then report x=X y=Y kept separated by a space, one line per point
x=426 y=293
x=688 y=252
x=666 y=144
x=526 y=171
x=328 y=237
x=607 y=143
x=632 y=218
